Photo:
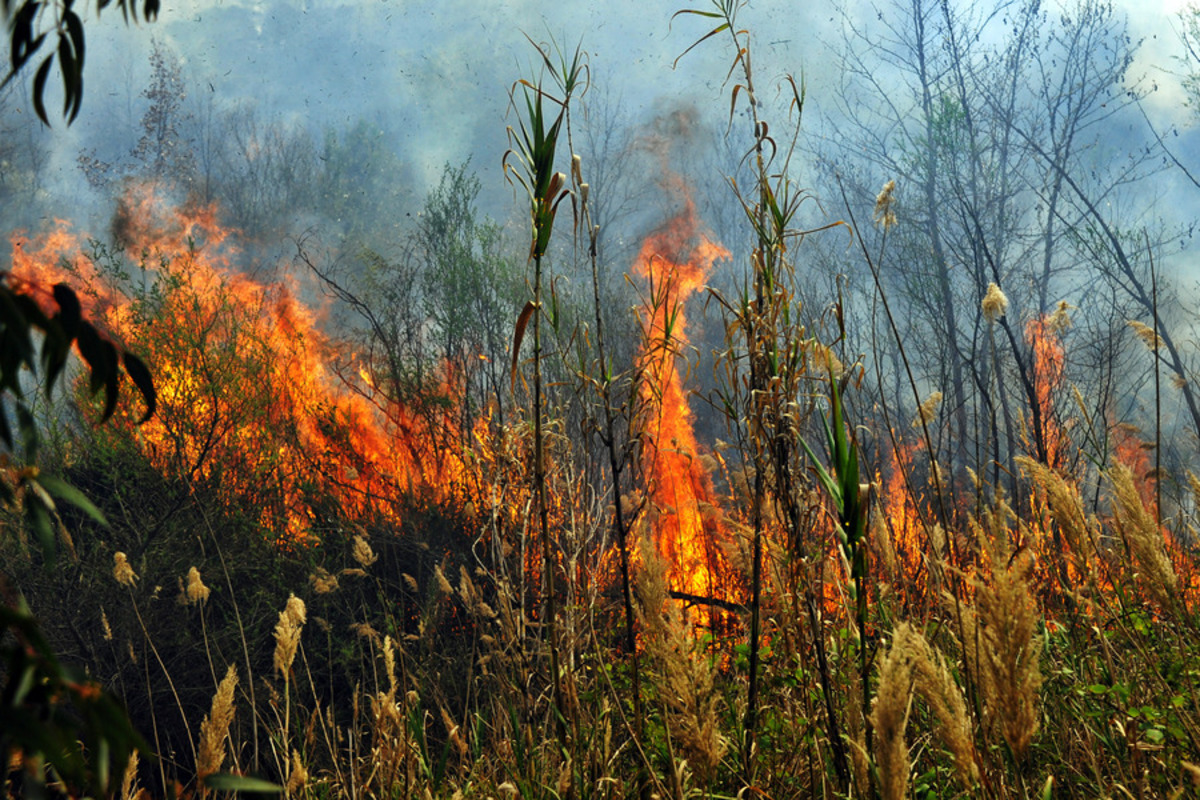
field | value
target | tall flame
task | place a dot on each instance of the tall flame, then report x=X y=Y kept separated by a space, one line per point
x=675 y=262
x=1048 y=359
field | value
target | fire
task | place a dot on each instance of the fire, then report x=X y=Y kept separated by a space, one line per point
x=675 y=262
x=1048 y=358
x=249 y=397
x=1130 y=450
x=901 y=510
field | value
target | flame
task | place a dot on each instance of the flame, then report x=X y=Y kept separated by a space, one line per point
x=1132 y=451
x=675 y=262
x=901 y=510
x=250 y=397
x=1048 y=358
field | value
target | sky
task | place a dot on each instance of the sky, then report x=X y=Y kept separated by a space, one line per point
x=436 y=76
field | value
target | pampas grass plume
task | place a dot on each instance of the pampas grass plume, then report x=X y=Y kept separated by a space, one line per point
x=362 y=552
x=196 y=591
x=885 y=212
x=927 y=410
x=122 y=571
x=287 y=633
x=995 y=304
x=215 y=727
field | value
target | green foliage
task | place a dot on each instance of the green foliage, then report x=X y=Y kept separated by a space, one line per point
x=62 y=722
x=22 y=321
x=50 y=712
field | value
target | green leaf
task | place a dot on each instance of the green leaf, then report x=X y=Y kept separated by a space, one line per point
x=715 y=31
x=101 y=357
x=228 y=782
x=41 y=523
x=24 y=45
x=65 y=491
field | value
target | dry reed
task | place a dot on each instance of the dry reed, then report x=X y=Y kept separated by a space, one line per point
x=999 y=629
x=684 y=675
x=122 y=570
x=1081 y=534
x=194 y=592
x=129 y=787
x=215 y=727
x=1142 y=536
x=885 y=202
x=994 y=304
x=913 y=665
x=928 y=409
x=1145 y=333
x=287 y=634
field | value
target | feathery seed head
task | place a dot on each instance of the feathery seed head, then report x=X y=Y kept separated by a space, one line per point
x=363 y=553
x=1060 y=320
x=927 y=410
x=287 y=633
x=122 y=571
x=215 y=727
x=995 y=304
x=298 y=778
x=885 y=213
x=322 y=582
x=196 y=591
x=1144 y=332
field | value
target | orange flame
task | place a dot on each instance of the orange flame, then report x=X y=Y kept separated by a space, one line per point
x=902 y=511
x=675 y=261
x=1048 y=358
x=248 y=397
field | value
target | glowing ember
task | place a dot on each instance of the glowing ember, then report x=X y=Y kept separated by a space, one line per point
x=675 y=262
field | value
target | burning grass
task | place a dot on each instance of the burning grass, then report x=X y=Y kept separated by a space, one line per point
x=415 y=664
x=399 y=603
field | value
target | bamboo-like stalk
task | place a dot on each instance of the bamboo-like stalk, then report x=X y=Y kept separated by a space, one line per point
x=534 y=147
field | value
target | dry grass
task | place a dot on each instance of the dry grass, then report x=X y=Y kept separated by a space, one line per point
x=1000 y=633
x=214 y=730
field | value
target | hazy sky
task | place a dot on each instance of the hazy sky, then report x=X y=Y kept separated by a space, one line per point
x=436 y=75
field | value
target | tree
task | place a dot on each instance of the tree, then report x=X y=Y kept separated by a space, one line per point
x=985 y=115
x=471 y=285
x=360 y=186
x=163 y=154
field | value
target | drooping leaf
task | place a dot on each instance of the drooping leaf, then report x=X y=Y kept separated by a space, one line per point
x=64 y=491
x=69 y=312
x=519 y=336
x=101 y=357
x=24 y=45
x=140 y=375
